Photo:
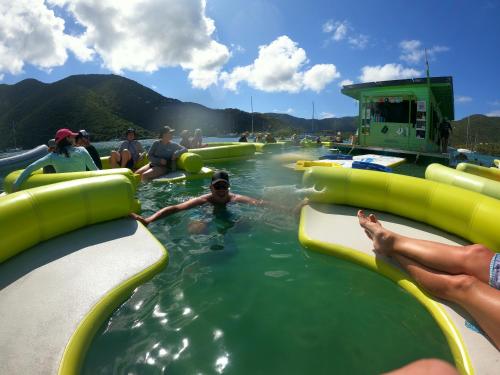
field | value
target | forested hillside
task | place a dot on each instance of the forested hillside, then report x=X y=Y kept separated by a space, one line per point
x=106 y=105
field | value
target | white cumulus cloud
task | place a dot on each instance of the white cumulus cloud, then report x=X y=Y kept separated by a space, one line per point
x=288 y=111
x=319 y=76
x=142 y=35
x=463 y=99
x=387 y=72
x=495 y=113
x=342 y=30
x=279 y=67
x=326 y=115
x=345 y=82
x=30 y=33
x=412 y=51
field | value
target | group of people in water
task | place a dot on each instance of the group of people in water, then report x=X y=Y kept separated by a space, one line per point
x=466 y=275
x=258 y=137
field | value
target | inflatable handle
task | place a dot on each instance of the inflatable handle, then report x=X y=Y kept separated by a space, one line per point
x=35 y=215
x=190 y=162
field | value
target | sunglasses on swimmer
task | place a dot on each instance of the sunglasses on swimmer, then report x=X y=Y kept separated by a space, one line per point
x=221 y=185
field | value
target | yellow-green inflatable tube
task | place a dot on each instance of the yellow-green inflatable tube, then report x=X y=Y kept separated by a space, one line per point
x=41 y=179
x=468 y=214
x=31 y=216
x=264 y=147
x=307 y=143
x=225 y=152
x=188 y=162
x=450 y=176
x=492 y=173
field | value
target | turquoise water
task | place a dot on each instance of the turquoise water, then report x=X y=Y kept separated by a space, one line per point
x=243 y=297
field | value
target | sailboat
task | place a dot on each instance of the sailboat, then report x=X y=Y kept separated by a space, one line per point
x=15 y=148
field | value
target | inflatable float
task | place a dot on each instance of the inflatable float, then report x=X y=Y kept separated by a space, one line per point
x=57 y=286
x=330 y=225
x=450 y=176
x=492 y=173
x=310 y=143
x=497 y=163
x=189 y=167
x=181 y=176
x=22 y=160
x=336 y=157
x=40 y=179
x=188 y=161
x=269 y=147
x=369 y=161
x=222 y=152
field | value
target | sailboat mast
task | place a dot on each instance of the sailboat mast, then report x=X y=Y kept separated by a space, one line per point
x=251 y=107
x=467 y=137
x=14 y=133
x=312 y=122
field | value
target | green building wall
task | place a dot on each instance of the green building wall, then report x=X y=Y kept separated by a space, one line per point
x=400 y=135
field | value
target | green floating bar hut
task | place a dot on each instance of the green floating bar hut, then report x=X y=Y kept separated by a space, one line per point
x=403 y=114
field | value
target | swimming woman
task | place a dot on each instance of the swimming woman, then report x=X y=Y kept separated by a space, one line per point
x=466 y=275
x=65 y=158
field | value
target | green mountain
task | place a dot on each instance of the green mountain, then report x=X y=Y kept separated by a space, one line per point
x=106 y=105
x=476 y=130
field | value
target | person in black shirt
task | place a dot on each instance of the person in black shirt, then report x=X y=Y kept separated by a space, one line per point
x=83 y=140
x=444 y=133
x=244 y=137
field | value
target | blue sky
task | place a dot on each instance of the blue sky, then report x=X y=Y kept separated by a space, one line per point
x=284 y=54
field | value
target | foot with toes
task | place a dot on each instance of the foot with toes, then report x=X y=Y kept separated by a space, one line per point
x=382 y=238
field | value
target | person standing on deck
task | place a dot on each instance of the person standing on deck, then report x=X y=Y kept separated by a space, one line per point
x=244 y=137
x=444 y=133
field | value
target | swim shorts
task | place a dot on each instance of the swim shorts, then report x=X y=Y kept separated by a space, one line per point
x=495 y=271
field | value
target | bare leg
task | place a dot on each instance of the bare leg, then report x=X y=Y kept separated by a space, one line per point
x=125 y=157
x=143 y=169
x=479 y=299
x=426 y=367
x=114 y=159
x=472 y=260
x=152 y=173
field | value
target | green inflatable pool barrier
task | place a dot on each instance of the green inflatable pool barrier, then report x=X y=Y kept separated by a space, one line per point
x=35 y=215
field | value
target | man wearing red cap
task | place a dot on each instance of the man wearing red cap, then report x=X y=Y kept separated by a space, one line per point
x=65 y=158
